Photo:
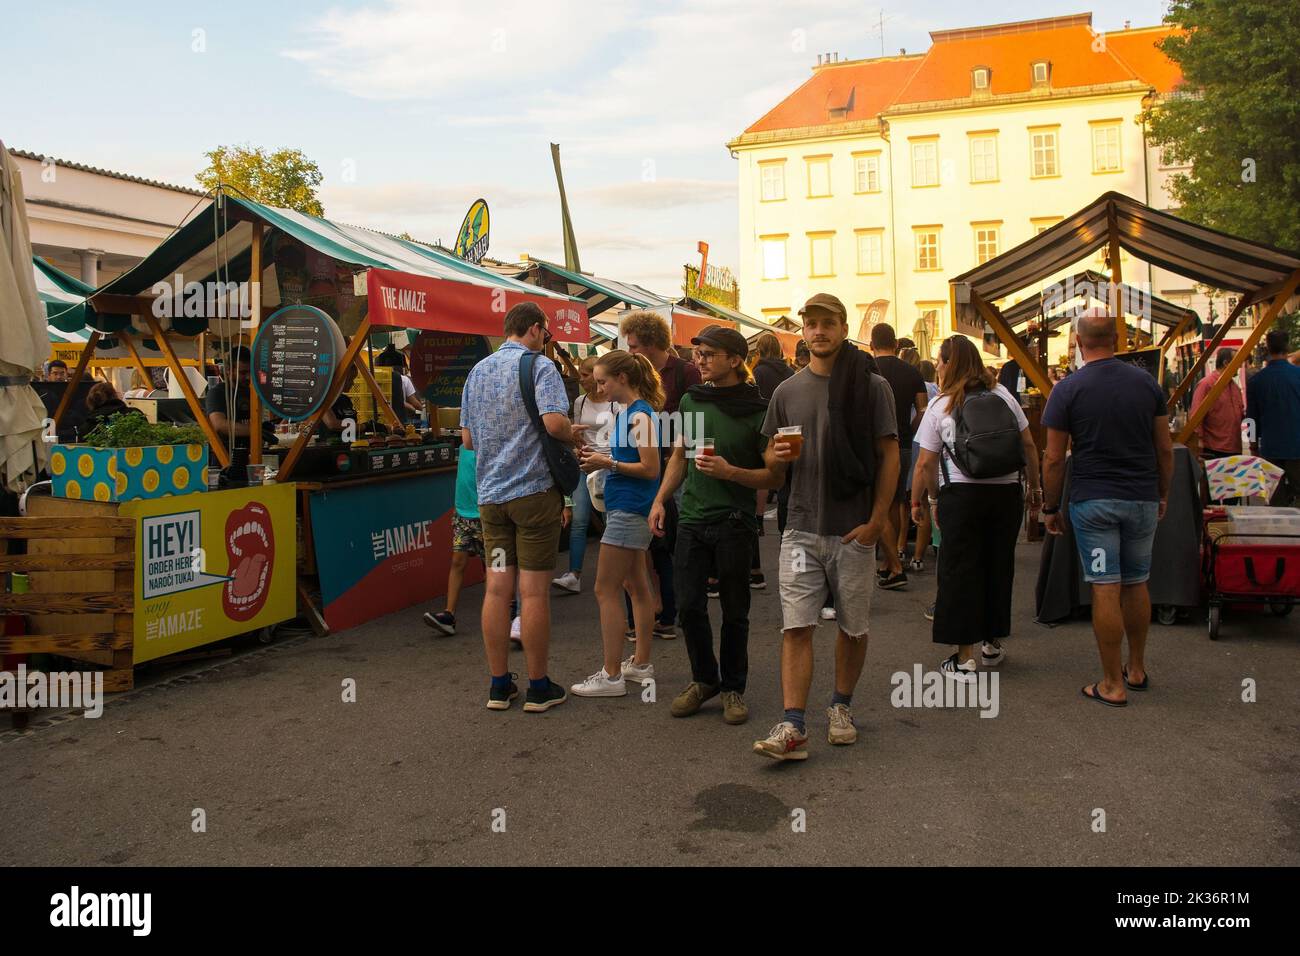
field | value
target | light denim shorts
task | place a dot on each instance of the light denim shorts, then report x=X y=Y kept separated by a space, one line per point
x=626 y=529
x=1115 y=538
x=812 y=563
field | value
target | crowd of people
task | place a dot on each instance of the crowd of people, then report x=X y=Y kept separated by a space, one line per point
x=860 y=448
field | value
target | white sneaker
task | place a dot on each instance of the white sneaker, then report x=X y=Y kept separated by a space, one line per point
x=638 y=673
x=842 y=729
x=992 y=653
x=957 y=670
x=568 y=582
x=828 y=614
x=516 y=630
x=600 y=684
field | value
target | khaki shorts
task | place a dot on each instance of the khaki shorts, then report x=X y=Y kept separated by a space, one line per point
x=810 y=564
x=523 y=533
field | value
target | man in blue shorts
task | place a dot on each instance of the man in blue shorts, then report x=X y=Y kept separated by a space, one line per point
x=1115 y=416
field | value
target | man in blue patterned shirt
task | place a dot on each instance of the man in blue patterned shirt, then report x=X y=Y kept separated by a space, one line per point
x=519 y=505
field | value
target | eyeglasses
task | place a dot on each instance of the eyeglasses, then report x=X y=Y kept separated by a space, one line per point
x=705 y=355
x=546 y=335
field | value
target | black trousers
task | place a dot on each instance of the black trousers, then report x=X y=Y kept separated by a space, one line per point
x=977 y=562
x=722 y=548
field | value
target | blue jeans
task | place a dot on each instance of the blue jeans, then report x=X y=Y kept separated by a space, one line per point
x=578 y=525
x=1114 y=538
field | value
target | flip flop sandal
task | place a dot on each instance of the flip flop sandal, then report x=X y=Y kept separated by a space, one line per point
x=1146 y=681
x=1096 y=695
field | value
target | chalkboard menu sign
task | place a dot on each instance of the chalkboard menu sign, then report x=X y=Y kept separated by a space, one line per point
x=295 y=357
x=1146 y=359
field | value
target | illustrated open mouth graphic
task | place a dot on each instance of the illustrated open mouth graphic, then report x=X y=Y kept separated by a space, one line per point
x=250 y=545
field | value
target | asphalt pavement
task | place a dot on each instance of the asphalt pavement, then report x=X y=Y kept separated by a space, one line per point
x=417 y=771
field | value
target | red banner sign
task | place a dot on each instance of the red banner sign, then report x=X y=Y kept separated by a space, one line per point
x=402 y=300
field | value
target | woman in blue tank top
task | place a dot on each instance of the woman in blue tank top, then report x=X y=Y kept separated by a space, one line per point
x=633 y=462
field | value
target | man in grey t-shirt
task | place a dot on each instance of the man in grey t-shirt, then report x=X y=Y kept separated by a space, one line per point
x=829 y=540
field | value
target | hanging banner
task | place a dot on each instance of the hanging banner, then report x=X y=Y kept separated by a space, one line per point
x=472 y=240
x=874 y=315
x=440 y=364
x=400 y=299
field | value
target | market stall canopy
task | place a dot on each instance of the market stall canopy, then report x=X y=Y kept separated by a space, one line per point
x=407 y=284
x=1094 y=286
x=23 y=339
x=599 y=294
x=1196 y=252
x=64 y=298
x=750 y=327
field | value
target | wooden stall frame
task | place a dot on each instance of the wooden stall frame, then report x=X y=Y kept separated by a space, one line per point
x=1209 y=350
x=120 y=602
x=1227 y=375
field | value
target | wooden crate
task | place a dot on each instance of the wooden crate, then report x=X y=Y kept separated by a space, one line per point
x=81 y=568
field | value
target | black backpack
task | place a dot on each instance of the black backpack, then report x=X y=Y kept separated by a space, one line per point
x=985 y=437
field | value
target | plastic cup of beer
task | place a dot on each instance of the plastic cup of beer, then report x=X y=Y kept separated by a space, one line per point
x=791 y=435
x=706 y=448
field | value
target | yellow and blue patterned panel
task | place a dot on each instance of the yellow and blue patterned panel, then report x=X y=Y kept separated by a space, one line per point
x=124 y=474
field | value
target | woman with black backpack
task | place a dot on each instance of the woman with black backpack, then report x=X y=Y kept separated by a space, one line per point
x=974 y=441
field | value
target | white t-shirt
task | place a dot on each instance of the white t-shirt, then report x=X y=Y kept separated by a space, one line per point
x=408 y=387
x=599 y=417
x=929 y=435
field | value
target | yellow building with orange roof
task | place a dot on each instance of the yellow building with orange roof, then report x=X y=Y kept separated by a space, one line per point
x=879 y=179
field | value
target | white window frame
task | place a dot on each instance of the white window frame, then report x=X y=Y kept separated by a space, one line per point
x=778 y=181
x=983 y=231
x=768 y=245
x=976 y=74
x=874 y=263
x=1052 y=152
x=992 y=158
x=921 y=246
x=824 y=162
x=925 y=155
x=813 y=239
x=1107 y=129
x=868 y=165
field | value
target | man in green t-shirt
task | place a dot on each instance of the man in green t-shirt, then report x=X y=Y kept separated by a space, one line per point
x=722 y=420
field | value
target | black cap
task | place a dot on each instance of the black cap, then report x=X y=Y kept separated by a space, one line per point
x=724 y=337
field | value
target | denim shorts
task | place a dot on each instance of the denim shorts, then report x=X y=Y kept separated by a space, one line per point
x=1114 y=538
x=626 y=529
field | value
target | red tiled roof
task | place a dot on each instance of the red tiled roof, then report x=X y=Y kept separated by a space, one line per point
x=944 y=71
x=871 y=85
x=1137 y=50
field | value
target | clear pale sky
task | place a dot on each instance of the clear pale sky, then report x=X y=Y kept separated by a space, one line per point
x=429 y=105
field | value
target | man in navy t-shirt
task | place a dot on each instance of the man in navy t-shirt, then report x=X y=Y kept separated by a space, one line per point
x=1115 y=417
x=1273 y=402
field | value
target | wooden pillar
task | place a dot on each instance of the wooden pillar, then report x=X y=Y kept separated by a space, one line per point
x=1226 y=376
x=254 y=403
x=218 y=446
x=1204 y=357
x=382 y=403
x=349 y=357
x=1116 y=278
x=135 y=357
x=86 y=352
x=1030 y=367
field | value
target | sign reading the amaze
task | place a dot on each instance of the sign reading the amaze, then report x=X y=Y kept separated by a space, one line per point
x=474 y=308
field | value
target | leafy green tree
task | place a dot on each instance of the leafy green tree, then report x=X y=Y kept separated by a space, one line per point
x=1236 y=119
x=284 y=178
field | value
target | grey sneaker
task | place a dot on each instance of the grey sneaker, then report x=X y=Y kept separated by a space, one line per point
x=692 y=698
x=841 y=730
x=734 y=708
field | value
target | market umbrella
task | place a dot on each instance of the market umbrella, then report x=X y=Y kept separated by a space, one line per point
x=1242 y=476
x=24 y=339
